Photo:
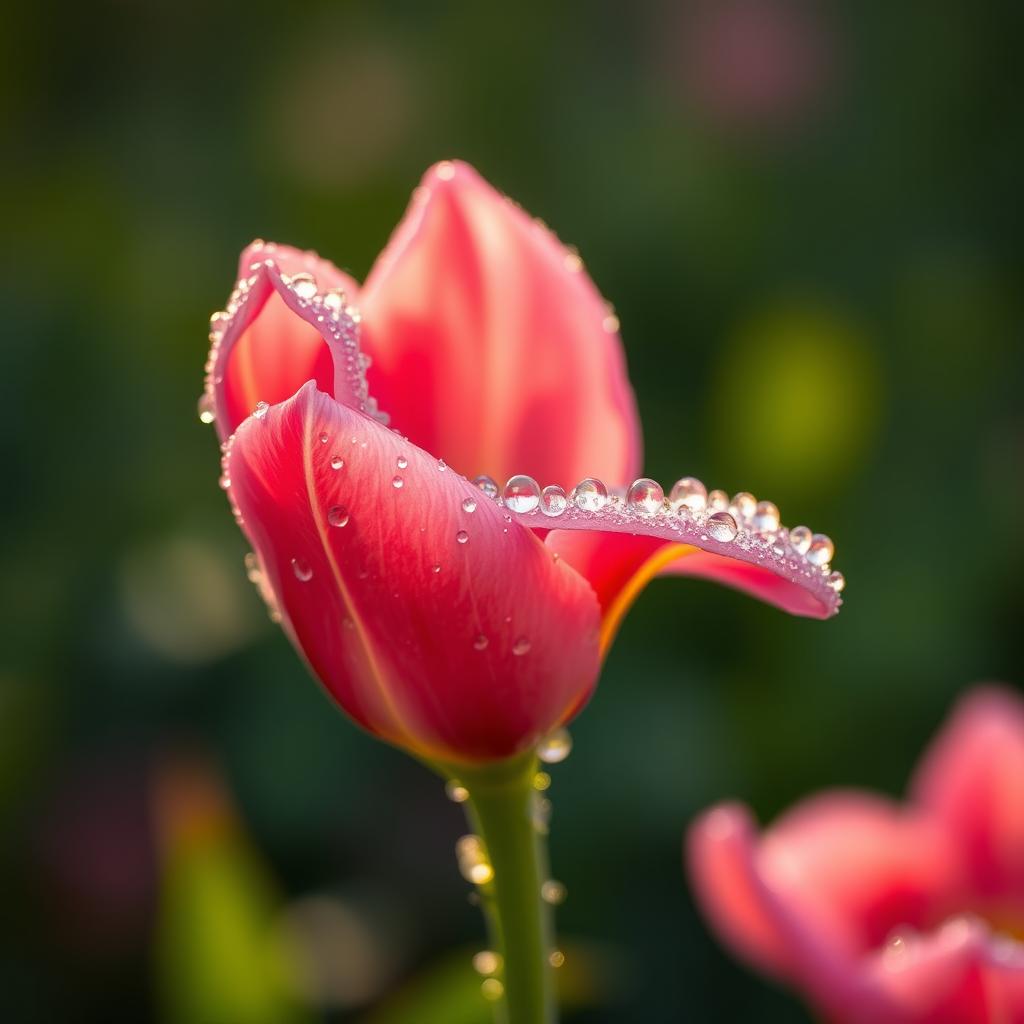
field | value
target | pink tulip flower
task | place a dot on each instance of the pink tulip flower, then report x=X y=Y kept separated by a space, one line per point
x=882 y=913
x=460 y=619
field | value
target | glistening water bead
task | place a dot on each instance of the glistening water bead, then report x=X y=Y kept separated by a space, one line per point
x=468 y=505
x=337 y=462
x=205 y=407
x=337 y=515
x=555 y=747
x=487 y=485
x=302 y=569
x=800 y=539
x=553 y=501
x=590 y=495
x=521 y=645
x=821 y=550
x=645 y=496
x=261 y=410
x=688 y=492
x=521 y=494
x=722 y=527
x=462 y=536
x=398 y=483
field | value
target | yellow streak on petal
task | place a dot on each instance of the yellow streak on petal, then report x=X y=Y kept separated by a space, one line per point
x=613 y=617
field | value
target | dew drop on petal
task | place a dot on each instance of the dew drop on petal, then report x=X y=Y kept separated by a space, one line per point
x=800 y=539
x=590 y=495
x=402 y=462
x=302 y=569
x=323 y=437
x=766 y=517
x=521 y=494
x=462 y=536
x=337 y=515
x=337 y=462
x=261 y=410
x=688 y=492
x=837 y=581
x=335 y=300
x=718 y=501
x=521 y=645
x=398 y=483
x=205 y=408
x=468 y=505
x=722 y=527
x=743 y=505
x=304 y=285
x=555 y=747
x=479 y=642
x=487 y=485
x=441 y=465
x=645 y=496
x=553 y=501
x=821 y=550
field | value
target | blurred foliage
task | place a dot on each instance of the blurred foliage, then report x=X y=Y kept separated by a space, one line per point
x=807 y=216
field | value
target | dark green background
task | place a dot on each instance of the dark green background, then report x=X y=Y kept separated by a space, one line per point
x=820 y=304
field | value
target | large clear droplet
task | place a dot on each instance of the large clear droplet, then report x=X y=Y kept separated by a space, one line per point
x=324 y=438
x=205 y=408
x=555 y=747
x=718 y=501
x=337 y=515
x=800 y=539
x=743 y=505
x=468 y=504
x=521 y=494
x=766 y=517
x=302 y=569
x=261 y=410
x=487 y=485
x=837 y=581
x=590 y=495
x=335 y=300
x=553 y=501
x=821 y=550
x=688 y=492
x=722 y=527
x=304 y=285
x=645 y=496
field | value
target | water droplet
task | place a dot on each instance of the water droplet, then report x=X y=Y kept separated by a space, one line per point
x=837 y=581
x=645 y=496
x=261 y=410
x=688 y=492
x=572 y=260
x=800 y=539
x=821 y=550
x=205 y=407
x=398 y=483
x=436 y=567
x=521 y=645
x=473 y=862
x=337 y=462
x=441 y=465
x=553 y=501
x=610 y=323
x=445 y=170
x=553 y=892
x=718 y=501
x=456 y=791
x=302 y=569
x=492 y=989
x=766 y=517
x=743 y=505
x=557 y=958
x=304 y=285
x=337 y=515
x=722 y=527
x=487 y=485
x=323 y=437
x=462 y=536
x=541 y=781
x=486 y=962
x=555 y=747
x=224 y=482
x=480 y=643
x=521 y=494
x=402 y=462
x=468 y=505
x=590 y=494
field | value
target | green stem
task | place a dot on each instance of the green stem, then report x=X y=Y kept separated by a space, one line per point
x=500 y=811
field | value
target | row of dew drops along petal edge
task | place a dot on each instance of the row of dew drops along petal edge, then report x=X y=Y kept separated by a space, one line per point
x=741 y=519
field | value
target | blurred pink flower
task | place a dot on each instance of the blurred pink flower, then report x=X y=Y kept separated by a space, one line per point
x=460 y=620
x=883 y=913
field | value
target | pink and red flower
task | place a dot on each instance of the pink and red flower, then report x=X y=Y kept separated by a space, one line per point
x=458 y=619
x=882 y=913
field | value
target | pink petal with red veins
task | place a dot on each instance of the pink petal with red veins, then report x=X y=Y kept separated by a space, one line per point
x=760 y=920
x=457 y=650
x=492 y=348
x=269 y=341
x=972 y=780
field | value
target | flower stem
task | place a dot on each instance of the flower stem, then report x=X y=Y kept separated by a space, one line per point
x=500 y=811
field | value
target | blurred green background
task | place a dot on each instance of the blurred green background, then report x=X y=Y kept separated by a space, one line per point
x=808 y=218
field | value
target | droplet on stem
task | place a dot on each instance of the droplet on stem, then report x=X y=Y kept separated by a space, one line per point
x=555 y=747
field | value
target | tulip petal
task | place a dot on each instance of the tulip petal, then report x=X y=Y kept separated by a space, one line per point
x=431 y=617
x=972 y=780
x=269 y=342
x=491 y=345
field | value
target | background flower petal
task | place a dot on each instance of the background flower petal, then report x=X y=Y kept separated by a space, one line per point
x=432 y=618
x=492 y=348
